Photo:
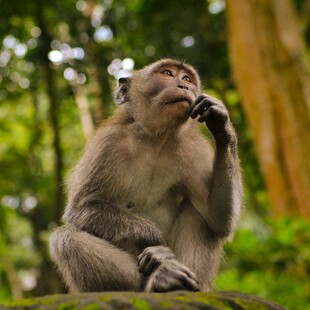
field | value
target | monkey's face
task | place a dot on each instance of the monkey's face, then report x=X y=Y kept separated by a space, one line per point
x=169 y=87
x=159 y=96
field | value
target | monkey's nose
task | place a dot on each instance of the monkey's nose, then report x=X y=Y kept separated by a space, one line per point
x=182 y=86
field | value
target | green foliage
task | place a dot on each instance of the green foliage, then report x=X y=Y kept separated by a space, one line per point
x=272 y=261
x=17 y=251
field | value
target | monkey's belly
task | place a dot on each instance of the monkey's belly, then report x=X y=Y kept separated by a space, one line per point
x=162 y=213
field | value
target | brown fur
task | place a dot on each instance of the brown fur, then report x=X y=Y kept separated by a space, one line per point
x=151 y=201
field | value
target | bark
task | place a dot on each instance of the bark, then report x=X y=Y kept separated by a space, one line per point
x=54 y=107
x=41 y=217
x=80 y=94
x=58 y=164
x=98 y=86
x=84 y=112
x=271 y=72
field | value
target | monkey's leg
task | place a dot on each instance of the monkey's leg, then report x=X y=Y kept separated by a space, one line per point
x=88 y=263
x=195 y=247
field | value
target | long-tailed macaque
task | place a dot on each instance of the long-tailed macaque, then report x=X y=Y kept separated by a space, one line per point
x=152 y=200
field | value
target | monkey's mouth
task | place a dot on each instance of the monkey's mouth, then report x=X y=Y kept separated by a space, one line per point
x=178 y=100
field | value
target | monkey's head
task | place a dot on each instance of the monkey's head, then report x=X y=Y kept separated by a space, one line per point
x=159 y=96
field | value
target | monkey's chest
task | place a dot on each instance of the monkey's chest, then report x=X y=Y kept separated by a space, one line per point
x=150 y=192
x=150 y=185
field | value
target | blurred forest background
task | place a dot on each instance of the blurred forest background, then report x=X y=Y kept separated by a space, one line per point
x=59 y=61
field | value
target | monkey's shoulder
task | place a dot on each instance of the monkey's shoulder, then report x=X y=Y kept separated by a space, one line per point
x=108 y=139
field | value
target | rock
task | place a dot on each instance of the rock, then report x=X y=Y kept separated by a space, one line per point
x=145 y=301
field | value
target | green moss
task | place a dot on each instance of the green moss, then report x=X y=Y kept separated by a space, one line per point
x=144 y=301
x=92 y=307
x=67 y=306
x=246 y=304
x=183 y=298
x=212 y=301
x=48 y=300
x=141 y=304
x=106 y=297
x=165 y=304
x=33 y=301
x=22 y=303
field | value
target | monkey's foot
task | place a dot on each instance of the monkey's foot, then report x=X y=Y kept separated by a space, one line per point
x=171 y=276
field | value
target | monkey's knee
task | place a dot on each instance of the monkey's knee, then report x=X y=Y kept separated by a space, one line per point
x=88 y=263
x=60 y=242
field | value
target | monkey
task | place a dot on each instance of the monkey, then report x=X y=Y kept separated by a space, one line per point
x=152 y=200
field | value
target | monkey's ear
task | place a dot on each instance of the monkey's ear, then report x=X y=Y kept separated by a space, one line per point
x=121 y=94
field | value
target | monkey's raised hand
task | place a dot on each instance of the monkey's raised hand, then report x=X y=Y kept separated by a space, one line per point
x=171 y=276
x=214 y=113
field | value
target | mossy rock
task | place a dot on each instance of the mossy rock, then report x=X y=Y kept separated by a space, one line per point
x=145 y=301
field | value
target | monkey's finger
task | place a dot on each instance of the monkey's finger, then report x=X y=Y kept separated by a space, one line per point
x=150 y=266
x=201 y=107
x=146 y=254
x=187 y=282
x=202 y=102
x=189 y=274
x=140 y=257
x=143 y=263
x=213 y=112
x=143 y=258
x=195 y=102
x=211 y=99
x=190 y=284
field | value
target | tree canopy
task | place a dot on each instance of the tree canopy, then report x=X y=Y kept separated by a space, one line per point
x=59 y=62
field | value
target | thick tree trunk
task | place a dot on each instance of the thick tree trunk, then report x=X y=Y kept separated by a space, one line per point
x=271 y=71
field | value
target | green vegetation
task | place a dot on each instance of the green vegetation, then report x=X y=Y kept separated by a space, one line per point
x=272 y=261
x=55 y=56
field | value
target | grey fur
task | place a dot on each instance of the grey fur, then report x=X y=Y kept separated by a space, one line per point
x=152 y=200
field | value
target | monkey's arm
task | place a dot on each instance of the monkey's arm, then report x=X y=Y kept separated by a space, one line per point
x=225 y=194
x=95 y=186
x=109 y=222
x=225 y=186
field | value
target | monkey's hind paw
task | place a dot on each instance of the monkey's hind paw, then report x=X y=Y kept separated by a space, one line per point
x=172 y=276
x=152 y=257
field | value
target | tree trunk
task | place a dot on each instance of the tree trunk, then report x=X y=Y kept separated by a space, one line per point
x=48 y=281
x=271 y=72
x=84 y=111
x=54 y=107
x=96 y=86
x=58 y=161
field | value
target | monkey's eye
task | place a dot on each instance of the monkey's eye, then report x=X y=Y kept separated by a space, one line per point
x=167 y=72
x=187 y=79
